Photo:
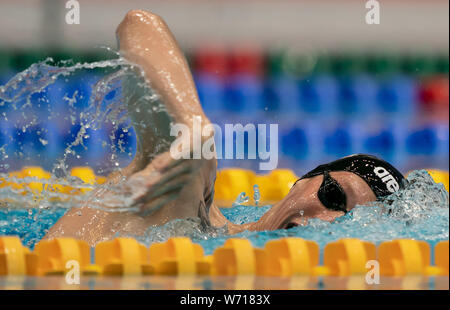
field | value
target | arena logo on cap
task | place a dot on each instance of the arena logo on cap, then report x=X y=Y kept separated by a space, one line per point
x=387 y=178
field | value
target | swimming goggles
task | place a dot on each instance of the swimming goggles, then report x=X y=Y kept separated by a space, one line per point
x=330 y=193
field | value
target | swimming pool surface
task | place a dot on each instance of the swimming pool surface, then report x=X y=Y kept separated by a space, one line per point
x=420 y=212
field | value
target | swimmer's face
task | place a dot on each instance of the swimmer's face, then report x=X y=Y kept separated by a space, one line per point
x=303 y=203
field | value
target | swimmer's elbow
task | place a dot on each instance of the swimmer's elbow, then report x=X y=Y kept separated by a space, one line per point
x=136 y=17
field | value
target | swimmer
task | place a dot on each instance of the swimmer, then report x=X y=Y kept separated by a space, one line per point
x=164 y=189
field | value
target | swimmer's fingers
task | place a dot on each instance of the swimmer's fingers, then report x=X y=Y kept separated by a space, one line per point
x=173 y=186
x=177 y=169
x=170 y=182
x=169 y=192
x=156 y=204
x=179 y=174
x=170 y=187
x=150 y=178
x=163 y=163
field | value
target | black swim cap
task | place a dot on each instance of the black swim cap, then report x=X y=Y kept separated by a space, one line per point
x=381 y=176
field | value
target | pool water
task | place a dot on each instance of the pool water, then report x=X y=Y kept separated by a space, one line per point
x=420 y=211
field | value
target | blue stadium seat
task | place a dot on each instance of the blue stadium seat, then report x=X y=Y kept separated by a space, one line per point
x=211 y=92
x=381 y=143
x=245 y=94
x=338 y=142
x=319 y=95
x=295 y=143
x=282 y=95
x=422 y=141
x=397 y=97
x=357 y=96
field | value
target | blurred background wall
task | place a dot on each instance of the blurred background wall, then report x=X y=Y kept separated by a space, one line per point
x=334 y=84
x=410 y=24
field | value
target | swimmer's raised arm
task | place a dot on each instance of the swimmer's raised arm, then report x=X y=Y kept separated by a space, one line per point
x=145 y=40
x=164 y=188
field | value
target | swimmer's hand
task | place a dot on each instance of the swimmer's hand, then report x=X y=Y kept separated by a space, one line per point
x=161 y=182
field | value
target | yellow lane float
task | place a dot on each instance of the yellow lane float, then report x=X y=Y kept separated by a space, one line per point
x=285 y=257
x=230 y=183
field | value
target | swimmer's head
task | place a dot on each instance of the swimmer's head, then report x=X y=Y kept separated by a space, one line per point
x=382 y=178
x=333 y=189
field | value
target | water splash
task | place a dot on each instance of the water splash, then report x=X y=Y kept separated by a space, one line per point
x=256 y=194
x=59 y=116
x=241 y=199
x=420 y=211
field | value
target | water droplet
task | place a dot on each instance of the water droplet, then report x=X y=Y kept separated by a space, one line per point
x=241 y=199
x=256 y=194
